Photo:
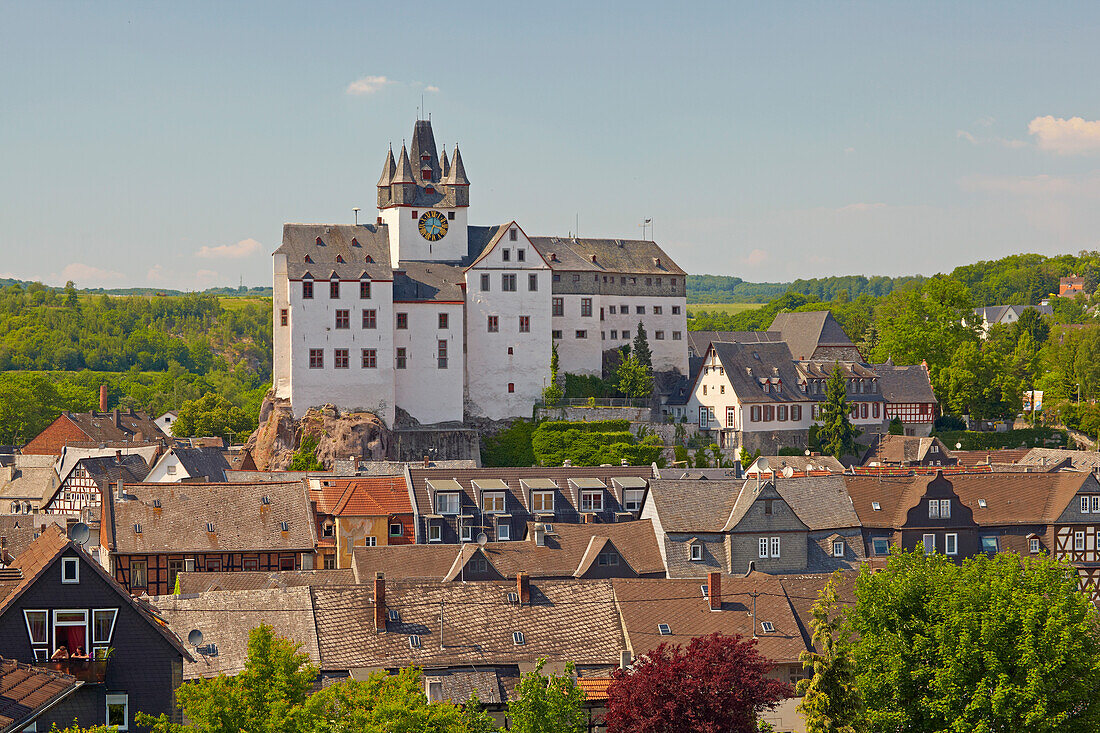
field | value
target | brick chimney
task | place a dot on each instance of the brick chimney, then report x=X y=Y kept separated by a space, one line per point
x=115 y=416
x=118 y=456
x=714 y=591
x=523 y=587
x=103 y=398
x=380 y=603
x=427 y=462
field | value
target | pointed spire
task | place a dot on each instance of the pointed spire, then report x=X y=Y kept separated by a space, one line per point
x=457 y=175
x=444 y=164
x=388 y=169
x=404 y=169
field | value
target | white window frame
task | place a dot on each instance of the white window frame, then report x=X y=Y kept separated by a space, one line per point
x=1079 y=541
x=775 y=547
x=541 y=495
x=763 y=548
x=70 y=562
x=696 y=552
x=1033 y=545
x=118 y=699
x=951 y=544
x=591 y=495
x=632 y=499
x=55 y=624
x=110 y=633
x=435 y=532
x=26 y=618
x=929 y=541
x=945 y=508
x=704 y=418
x=448 y=494
x=466 y=533
x=1094 y=503
x=494 y=497
x=1084 y=505
x=370 y=541
x=838 y=548
x=933 y=509
x=880 y=539
x=504 y=532
x=997 y=545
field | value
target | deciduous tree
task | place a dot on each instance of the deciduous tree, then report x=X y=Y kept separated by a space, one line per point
x=830 y=700
x=548 y=703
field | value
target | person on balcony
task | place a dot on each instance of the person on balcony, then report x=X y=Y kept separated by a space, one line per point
x=61 y=654
x=80 y=653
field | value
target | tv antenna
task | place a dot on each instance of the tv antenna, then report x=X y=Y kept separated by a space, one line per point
x=644 y=224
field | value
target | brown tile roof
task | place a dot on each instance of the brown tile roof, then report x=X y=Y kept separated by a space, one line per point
x=226 y=619
x=241 y=519
x=26 y=692
x=803 y=591
x=692 y=505
x=18 y=531
x=567 y=620
x=594 y=688
x=513 y=476
x=645 y=604
x=1010 y=498
x=100 y=427
x=569 y=552
x=902 y=449
x=980 y=457
x=259 y=579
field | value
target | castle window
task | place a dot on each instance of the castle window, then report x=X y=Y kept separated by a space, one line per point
x=340 y=358
x=442 y=353
x=426 y=175
x=370 y=318
x=493 y=324
x=451 y=215
x=343 y=320
x=586 y=307
x=334 y=289
x=403 y=321
x=555 y=334
x=401 y=357
x=640 y=310
x=339 y=258
x=508 y=283
x=284 y=317
x=582 y=334
x=370 y=358
x=429 y=189
x=521 y=255
x=364 y=291
x=307 y=290
x=649 y=281
x=525 y=324
x=557 y=307
x=512 y=235
x=316 y=358
x=415 y=214
x=506 y=254
x=443 y=320
x=485 y=283
x=659 y=335
x=532 y=282
x=511 y=387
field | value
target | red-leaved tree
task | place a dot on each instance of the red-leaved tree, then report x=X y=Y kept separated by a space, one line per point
x=716 y=684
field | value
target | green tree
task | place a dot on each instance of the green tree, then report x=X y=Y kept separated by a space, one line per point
x=747 y=458
x=71 y=300
x=830 y=700
x=548 y=703
x=386 y=703
x=305 y=458
x=998 y=643
x=510 y=447
x=1032 y=323
x=641 y=347
x=836 y=433
x=896 y=428
x=212 y=415
x=635 y=378
x=553 y=393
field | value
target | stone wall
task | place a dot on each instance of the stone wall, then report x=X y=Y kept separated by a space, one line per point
x=590 y=414
x=438 y=443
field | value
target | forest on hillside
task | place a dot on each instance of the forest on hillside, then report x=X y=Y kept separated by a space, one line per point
x=932 y=319
x=154 y=353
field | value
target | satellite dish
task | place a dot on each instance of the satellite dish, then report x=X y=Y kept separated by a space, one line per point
x=79 y=533
x=194 y=638
x=788 y=472
x=482 y=538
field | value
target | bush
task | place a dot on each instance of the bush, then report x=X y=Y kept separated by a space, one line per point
x=510 y=447
x=1029 y=438
x=589 y=385
x=592 y=443
x=945 y=423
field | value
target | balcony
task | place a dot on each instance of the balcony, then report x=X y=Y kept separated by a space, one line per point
x=86 y=670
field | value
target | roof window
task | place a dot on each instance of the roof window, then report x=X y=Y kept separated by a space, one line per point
x=339 y=258
x=517 y=638
x=209 y=526
x=876 y=506
x=513 y=597
x=285 y=526
x=265 y=499
x=703 y=588
x=137 y=529
x=767 y=627
x=156 y=503
x=319 y=242
x=394 y=615
x=981 y=503
x=414 y=641
x=664 y=629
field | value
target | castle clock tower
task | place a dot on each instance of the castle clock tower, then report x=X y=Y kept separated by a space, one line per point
x=423 y=199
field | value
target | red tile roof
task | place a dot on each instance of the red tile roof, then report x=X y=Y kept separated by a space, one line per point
x=26 y=692
x=594 y=688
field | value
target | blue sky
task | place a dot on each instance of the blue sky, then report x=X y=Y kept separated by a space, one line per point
x=165 y=144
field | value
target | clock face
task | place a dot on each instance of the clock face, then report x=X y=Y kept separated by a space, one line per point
x=433 y=225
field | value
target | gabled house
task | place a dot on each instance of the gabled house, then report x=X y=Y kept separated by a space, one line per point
x=1006 y=315
x=115 y=429
x=54 y=597
x=455 y=506
x=189 y=464
x=149 y=533
x=372 y=511
x=550 y=552
x=907 y=391
x=904 y=451
x=770 y=466
x=82 y=487
x=782 y=525
x=26 y=482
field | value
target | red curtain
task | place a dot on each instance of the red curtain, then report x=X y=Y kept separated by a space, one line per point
x=72 y=637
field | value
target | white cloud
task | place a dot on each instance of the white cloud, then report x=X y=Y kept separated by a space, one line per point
x=755 y=257
x=431 y=88
x=368 y=85
x=1002 y=141
x=856 y=208
x=1066 y=137
x=849 y=150
x=240 y=250
x=87 y=275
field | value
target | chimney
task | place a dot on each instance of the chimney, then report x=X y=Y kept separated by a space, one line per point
x=540 y=534
x=118 y=456
x=427 y=462
x=625 y=658
x=714 y=591
x=523 y=587
x=116 y=416
x=380 y=603
x=121 y=490
x=379 y=220
x=103 y=398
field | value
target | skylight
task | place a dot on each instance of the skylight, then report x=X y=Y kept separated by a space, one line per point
x=285 y=526
x=704 y=589
x=767 y=627
x=414 y=642
x=209 y=526
x=513 y=597
x=664 y=629
x=137 y=528
x=981 y=503
x=517 y=638
x=876 y=506
x=394 y=615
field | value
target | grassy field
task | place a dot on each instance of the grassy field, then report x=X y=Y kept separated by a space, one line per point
x=730 y=308
x=232 y=302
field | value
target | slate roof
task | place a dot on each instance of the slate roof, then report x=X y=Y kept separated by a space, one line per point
x=566 y=554
x=995 y=313
x=18 y=531
x=70 y=455
x=904 y=384
x=198 y=462
x=700 y=341
x=493 y=685
x=693 y=505
x=628 y=256
x=231 y=580
x=1003 y=456
x=512 y=478
x=806 y=333
x=30 y=477
x=796 y=463
x=428 y=281
x=1078 y=460
x=1010 y=498
x=821 y=502
x=644 y=604
x=766 y=361
x=397 y=468
x=242 y=522
x=566 y=621
x=353 y=243
x=237 y=476
x=226 y=619
x=903 y=449
x=27 y=691
x=478 y=238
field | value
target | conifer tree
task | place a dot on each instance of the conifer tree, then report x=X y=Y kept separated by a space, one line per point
x=641 y=347
x=837 y=434
x=830 y=700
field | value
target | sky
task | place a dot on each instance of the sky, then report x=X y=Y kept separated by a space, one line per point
x=164 y=144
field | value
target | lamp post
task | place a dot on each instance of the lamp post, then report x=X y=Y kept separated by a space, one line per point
x=356 y=210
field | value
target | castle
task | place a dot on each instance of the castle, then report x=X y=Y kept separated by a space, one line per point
x=424 y=312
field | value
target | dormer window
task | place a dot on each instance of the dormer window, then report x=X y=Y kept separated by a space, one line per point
x=426 y=174
x=429 y=189
x=339 y=258
x=70 y=570
x=512 y=235
x=308 y=260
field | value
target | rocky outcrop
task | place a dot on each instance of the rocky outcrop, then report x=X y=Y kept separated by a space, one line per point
x=339 y=435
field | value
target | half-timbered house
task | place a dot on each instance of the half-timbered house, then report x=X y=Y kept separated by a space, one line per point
x=151 y=532
x=83 y=486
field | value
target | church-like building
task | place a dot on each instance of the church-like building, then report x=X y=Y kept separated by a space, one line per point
x=424 y=312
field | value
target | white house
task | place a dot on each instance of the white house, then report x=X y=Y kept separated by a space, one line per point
x=189 y=464
x=164 y=422
x=423 y=313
